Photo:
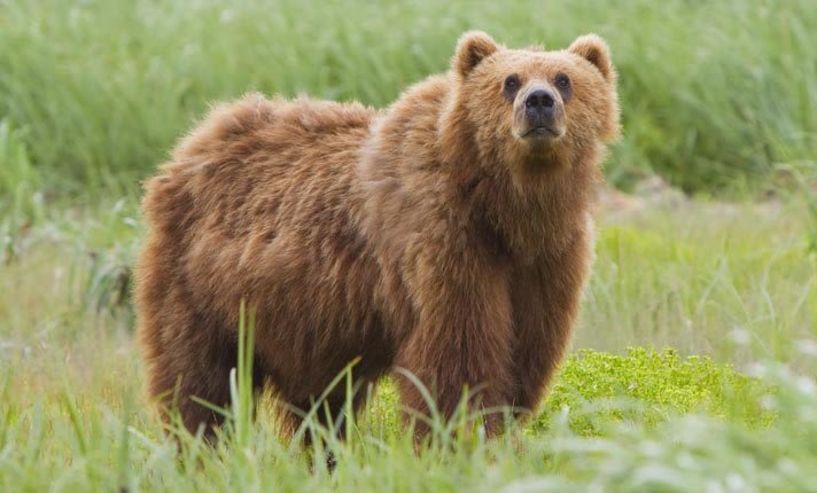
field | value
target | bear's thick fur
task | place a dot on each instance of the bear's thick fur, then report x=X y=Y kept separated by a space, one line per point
x=448 y=235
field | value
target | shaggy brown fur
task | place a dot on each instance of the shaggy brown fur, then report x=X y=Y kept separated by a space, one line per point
x=432 y=236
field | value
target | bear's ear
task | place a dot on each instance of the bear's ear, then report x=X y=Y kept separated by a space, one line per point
x=594 y=49
x=472 y=48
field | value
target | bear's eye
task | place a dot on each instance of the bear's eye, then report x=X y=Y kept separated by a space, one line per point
x=562 y=82
x=512 y=84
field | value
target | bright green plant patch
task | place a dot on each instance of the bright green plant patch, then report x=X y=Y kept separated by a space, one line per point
x=644 y=387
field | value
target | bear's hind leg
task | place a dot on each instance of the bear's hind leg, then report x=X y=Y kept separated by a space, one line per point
x=192 y=368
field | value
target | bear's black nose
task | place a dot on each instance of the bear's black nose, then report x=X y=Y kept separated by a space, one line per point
x=540 y=108
x=540 y=98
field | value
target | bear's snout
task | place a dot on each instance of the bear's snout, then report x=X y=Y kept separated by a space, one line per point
x=541 y=114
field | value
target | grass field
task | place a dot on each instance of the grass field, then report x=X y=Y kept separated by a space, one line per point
x=716 y=93
x=693 y=367
x=734 y=287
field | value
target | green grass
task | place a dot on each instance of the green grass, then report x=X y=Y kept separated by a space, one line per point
x=65 y=441
x=73 y=417
x=715 y=94
x=731 y=280
x=20 y=181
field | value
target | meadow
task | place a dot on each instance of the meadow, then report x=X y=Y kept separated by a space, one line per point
x=692 y=369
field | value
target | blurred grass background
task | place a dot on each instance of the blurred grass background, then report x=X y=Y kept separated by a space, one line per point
x=715 y=94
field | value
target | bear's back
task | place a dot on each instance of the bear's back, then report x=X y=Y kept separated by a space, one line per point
x=246 y=158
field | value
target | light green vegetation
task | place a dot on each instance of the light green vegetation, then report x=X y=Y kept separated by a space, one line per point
x=715 y=96
x=731 y=280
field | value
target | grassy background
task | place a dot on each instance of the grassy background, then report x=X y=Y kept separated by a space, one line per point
x=714 y=93
x=718 y=97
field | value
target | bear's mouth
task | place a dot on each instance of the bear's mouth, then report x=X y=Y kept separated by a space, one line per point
x=543 y=131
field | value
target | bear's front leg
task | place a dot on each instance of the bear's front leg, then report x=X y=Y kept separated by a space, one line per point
x=463 y=339
x=545 y=298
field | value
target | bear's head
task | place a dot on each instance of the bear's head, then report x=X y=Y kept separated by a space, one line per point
x=533 y=108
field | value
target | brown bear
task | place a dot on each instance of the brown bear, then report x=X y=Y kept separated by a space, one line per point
x=448 y=235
